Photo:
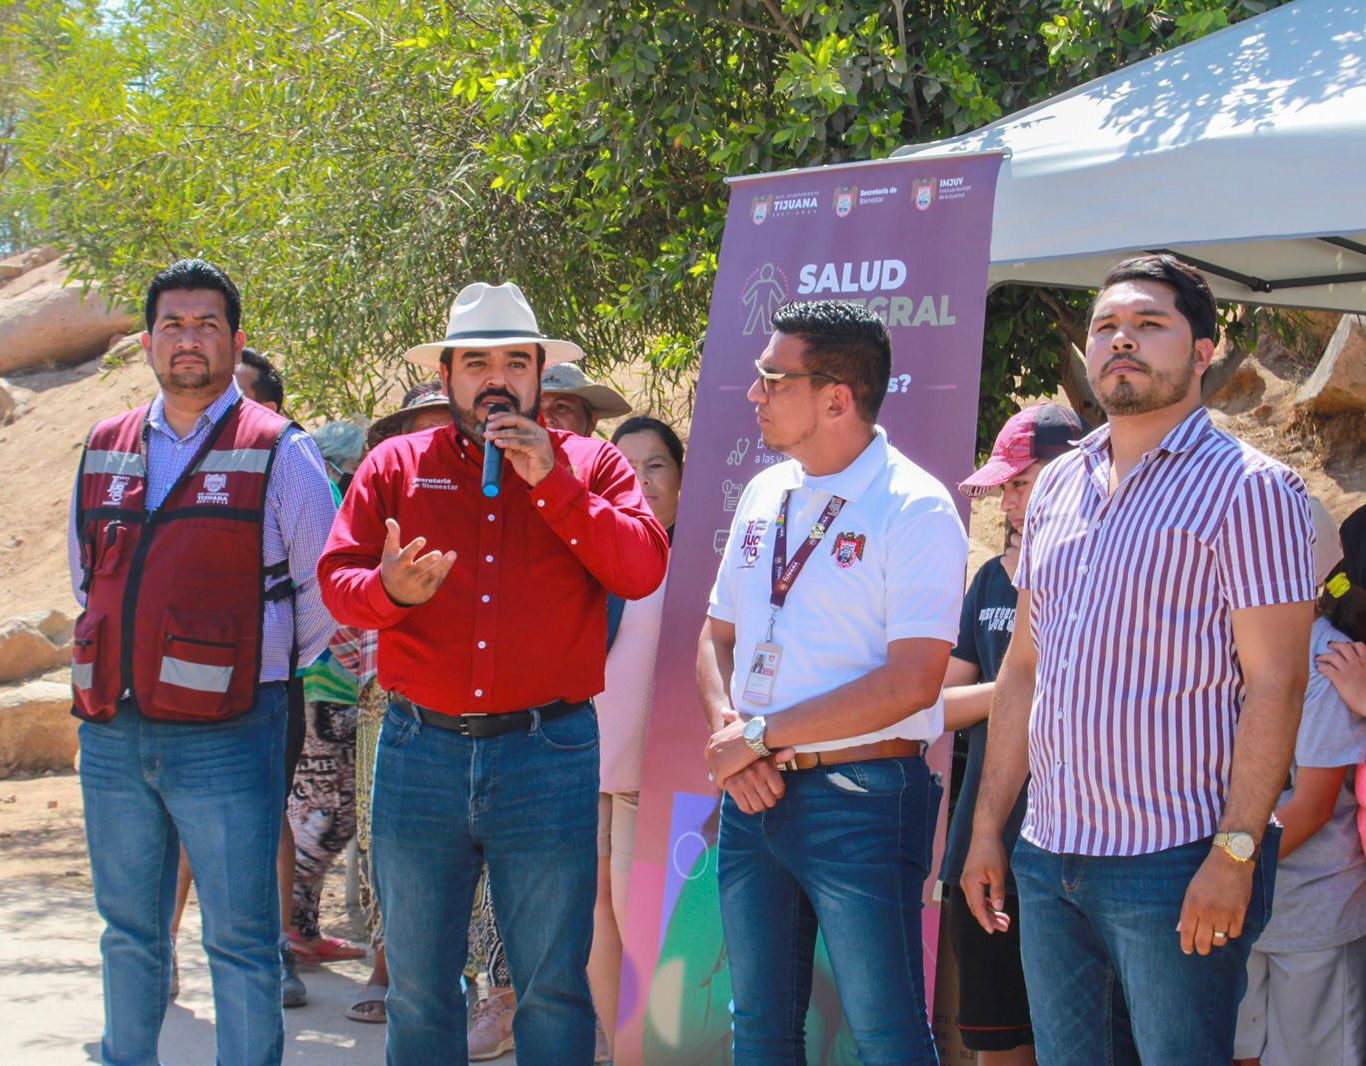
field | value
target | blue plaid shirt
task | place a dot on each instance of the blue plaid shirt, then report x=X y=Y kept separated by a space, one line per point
x=299 y=513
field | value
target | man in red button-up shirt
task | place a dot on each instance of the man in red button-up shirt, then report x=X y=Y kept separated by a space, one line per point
x=492 y=623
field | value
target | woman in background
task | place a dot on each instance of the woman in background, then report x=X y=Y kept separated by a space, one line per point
x=656 y=455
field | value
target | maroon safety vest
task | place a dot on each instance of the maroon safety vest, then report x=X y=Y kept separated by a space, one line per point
x=175 y=597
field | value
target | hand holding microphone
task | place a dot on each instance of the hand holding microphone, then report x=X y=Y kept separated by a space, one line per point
x=525 y=443
x=493 y=456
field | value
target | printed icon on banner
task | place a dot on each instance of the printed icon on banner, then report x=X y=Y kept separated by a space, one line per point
x=718 y=541
x=737 y=454
x=759 y=209
x=899 y=383
x=845 y=199
x=924 y=193
x=764 y=292
x=731 y=491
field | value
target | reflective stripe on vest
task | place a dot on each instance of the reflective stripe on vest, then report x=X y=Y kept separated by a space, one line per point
x=129 y=463
x=249 y=460
x=195 y=675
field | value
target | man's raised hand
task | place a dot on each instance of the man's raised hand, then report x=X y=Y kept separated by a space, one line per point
x=408 y=578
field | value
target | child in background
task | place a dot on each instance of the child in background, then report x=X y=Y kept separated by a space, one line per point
x=1307 y=973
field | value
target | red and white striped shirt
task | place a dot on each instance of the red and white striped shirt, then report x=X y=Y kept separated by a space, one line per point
x=1139 y=687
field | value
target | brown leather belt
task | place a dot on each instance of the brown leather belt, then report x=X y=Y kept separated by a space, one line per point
x=882 y=749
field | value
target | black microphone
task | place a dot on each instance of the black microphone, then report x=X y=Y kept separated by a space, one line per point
x=493 y=455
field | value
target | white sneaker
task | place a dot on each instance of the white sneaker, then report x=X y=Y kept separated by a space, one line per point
x=490 y=1033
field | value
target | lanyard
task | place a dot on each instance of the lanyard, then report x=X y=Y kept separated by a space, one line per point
x=785 y=573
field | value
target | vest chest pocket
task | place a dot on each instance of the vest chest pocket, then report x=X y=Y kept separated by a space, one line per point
x=197 y=659
x=94 y=692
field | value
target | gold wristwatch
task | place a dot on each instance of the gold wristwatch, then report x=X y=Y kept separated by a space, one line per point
x=1239 y=847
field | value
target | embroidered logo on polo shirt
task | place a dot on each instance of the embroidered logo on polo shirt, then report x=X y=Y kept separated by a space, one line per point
x=118 y=484
x=848 y=549
x=443 y=484
x=214 y=484
x=750 y=542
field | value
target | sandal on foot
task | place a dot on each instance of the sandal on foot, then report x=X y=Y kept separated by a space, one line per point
x=324 y=949
x=372 y=997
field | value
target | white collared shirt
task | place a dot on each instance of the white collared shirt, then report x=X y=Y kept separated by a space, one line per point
x=891 y=567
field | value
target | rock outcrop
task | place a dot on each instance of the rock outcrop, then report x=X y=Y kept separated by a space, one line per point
x=44 y=320
x=37 y=731
x=1338 y=383
x=34 y=644
x=22 y=262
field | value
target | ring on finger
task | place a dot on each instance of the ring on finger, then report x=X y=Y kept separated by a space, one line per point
x=1220 y=936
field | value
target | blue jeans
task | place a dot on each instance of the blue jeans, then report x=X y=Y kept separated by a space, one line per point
x=847 y=849
x=1108 y=982
x=526 y=803
x=149 y=787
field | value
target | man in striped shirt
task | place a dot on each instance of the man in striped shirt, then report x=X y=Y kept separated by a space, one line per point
x=1166 y=571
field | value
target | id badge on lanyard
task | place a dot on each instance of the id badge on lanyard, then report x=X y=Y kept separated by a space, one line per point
x=768 y=654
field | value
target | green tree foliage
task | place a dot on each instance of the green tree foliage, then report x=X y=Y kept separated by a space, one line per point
x=352 y=164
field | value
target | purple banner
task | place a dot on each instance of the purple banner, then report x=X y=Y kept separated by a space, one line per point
x=910 y=240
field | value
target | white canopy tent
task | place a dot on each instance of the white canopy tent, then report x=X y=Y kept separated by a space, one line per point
x=1244 y=152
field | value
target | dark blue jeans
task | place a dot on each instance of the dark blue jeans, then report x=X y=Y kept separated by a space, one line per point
x=527 y=804
x=846 y=849
x=1108 y=982
x=219 y=789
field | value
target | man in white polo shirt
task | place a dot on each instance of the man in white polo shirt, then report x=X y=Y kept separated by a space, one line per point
x=820 y=666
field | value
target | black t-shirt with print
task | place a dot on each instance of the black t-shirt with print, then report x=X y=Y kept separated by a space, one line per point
x=984 y=631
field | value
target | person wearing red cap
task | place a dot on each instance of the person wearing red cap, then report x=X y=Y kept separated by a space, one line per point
x=993 y=1009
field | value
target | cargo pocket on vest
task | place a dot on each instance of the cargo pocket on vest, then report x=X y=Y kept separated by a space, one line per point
x=93 y=696
x=197 y=660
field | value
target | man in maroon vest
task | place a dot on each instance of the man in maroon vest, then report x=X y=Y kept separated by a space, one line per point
x=492 y=642
x=196 y=527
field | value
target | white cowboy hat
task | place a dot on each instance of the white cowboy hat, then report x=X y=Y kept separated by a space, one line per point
x=492 y=316
x=603 y=399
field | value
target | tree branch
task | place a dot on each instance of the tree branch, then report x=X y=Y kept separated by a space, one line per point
x=1221 y=373
x=916 y=121
x=1073 y=363
x=776 y=11
x=757 y=27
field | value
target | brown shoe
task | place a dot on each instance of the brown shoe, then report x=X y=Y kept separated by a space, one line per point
x=490 y=1033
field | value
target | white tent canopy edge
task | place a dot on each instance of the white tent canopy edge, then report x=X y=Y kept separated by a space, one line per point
x=1244 y=152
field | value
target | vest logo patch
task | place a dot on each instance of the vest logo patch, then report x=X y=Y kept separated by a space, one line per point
x=214 y=484
x=118 y=484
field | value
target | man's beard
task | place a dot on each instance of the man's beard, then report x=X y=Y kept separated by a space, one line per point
x=192 y=380
x=467 y=420
x=786 y=446
x=1164 y=390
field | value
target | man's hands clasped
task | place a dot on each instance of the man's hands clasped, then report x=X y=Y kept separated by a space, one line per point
x=410 y=578
x=754 y=784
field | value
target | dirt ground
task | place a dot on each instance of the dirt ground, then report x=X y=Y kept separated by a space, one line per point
x=42 y=449
x=50 y=1000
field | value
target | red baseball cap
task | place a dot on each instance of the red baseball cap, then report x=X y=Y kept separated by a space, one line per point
x=1036 y=434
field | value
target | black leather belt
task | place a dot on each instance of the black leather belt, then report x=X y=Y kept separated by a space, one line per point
x=488 y=725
